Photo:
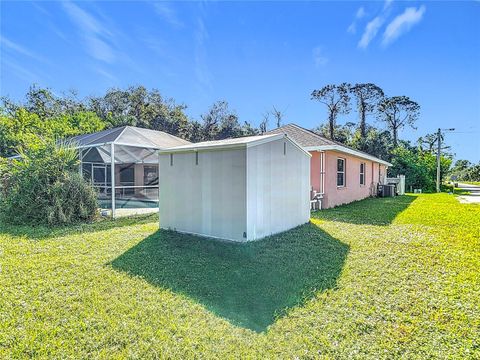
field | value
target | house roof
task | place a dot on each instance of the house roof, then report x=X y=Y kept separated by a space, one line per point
x=311 y=141
x=247 y=141
x=303 y=137
x=129 y=136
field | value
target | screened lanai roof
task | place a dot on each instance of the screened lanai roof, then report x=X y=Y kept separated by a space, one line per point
x=132 y=145
x=128 y=136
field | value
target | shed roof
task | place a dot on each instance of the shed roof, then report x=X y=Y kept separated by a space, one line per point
x=240 y=142
x=311 y=141
x=129 y=136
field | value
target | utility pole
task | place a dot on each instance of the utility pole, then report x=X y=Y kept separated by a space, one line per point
x=439 y=149
x=439 y=146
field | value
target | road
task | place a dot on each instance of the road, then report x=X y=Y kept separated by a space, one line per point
x=474 y=196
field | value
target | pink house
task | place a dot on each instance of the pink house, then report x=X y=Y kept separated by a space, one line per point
x=338 y=173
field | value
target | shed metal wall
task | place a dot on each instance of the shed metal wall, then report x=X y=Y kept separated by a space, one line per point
x=206 y=199
x=278 y=188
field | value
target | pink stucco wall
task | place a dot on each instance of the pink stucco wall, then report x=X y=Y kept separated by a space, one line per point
x=334 y=195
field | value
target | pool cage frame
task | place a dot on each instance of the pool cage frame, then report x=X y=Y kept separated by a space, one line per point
x=110 y=187
x=125 y=160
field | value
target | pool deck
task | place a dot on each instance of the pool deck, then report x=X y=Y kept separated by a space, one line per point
x=129 y=212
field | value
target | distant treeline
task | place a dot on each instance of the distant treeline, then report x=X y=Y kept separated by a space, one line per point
x=43 y=114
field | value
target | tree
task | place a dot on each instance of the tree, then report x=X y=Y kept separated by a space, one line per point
x=337 y=100
x=140 y=107
x=367 y=97
x=473 y=173
x=219 y=122
x=429 y=142
x=343 y=133
x=419 y=167
x=19 y=130
x=44 y=103
x=248 y=129
x=278 y=116
x=465 y=170
x=377 y=143
x=264 y=123
x=397 y=112
x=25 y=130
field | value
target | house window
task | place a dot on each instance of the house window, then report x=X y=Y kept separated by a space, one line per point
x=127 y=175
x=362 y=174
x=150 y=175
x=340 y=172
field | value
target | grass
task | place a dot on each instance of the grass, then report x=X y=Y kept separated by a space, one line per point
x=380 y=278
x=460 y=191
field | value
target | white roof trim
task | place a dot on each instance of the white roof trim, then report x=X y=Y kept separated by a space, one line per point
x=116 y=143
x=240 y=145
x=346 y=150
x=219 y=145
x=297 y=145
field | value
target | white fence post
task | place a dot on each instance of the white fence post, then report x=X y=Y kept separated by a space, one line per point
x=401 y=190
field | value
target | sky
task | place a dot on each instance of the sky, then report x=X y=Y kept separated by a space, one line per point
x=255 y=55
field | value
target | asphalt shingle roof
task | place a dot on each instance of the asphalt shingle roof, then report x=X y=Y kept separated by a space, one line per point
x=301 y=136
x=307 y=138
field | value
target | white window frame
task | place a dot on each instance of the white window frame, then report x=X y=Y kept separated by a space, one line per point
x=362 y=173
x=342 y=172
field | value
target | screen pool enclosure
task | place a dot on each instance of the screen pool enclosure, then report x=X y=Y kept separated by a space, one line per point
x=122 y=165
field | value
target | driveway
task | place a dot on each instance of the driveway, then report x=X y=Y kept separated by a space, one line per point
x=474 y=196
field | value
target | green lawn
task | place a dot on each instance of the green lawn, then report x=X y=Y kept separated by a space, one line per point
x=380 y=278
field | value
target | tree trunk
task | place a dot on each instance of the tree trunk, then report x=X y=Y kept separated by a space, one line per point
x=363 y=125
x=395 y=141
x=331 y=124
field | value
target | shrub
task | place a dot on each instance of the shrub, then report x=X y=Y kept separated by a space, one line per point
x=448 y=188
x=44 y=187
x=419 y=168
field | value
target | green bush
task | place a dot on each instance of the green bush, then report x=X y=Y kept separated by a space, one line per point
x=44 y=187
x=419 y=168
x=448 y=188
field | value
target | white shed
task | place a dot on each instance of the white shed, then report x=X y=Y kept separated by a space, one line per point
x=237 y=189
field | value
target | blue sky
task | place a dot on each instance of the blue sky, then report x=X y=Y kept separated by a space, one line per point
x=255 y=55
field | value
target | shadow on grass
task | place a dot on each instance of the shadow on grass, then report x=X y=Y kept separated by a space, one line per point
x=44 y=232
x=371 y=211
x=248 y=284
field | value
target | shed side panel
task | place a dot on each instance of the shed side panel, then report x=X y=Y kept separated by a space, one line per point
x=278 y=188
x=207 y=199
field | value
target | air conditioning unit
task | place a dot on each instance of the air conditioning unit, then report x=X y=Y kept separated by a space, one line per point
x=388 y=191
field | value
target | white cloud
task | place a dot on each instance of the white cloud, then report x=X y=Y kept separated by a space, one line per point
x=8 y=44
x=387 y=4
x=360 y=13
x=21 y=72
x=374 y=25
x=106 y=75
x=202 y=72
x=165 y=11
x=371 y=31
x=402 y=24
x=318 y=57
x=352 y=29
x=96 y=36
